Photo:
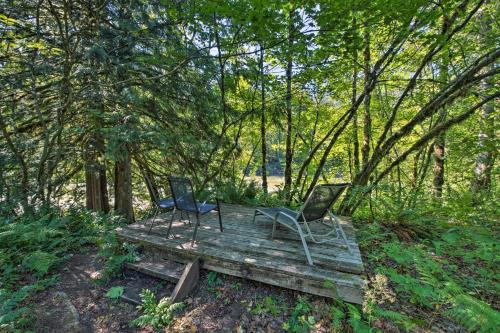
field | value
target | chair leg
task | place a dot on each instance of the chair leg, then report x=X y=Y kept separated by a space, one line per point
x=153 y=220
x=195 y=229
x=189 y=218
x=274 y=229
x=306 y=248
x=220 y=217
x=254 y=216
x=171 y=221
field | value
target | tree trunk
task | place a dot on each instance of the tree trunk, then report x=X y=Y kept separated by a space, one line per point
x=439 y=142
x=263 y=121
x=355 y=140
x=123 y=187
x=367 y=122
x=96 y=189
x=486 y=137
x=486 y=156
x=438 y=169
x=288 y=147
x=96 y=186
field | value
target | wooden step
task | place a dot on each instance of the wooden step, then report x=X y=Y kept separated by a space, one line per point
x=184 y=275
x=163 y=269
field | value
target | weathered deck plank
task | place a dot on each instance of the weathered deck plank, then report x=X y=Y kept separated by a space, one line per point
x=246 y=250
x=265 y=247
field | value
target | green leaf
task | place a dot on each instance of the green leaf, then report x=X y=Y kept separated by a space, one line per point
x=115 y=292
x=40 y=262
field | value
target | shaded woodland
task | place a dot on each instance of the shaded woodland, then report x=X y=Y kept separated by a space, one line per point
x=101 y=101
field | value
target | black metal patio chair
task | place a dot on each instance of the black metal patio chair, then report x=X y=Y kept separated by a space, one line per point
x=315 y=209
x=184 y=200
x=158 y=205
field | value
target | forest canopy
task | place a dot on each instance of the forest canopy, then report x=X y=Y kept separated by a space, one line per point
x=103 y=93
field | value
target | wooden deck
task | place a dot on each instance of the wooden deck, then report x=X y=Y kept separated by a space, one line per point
x=247 y=250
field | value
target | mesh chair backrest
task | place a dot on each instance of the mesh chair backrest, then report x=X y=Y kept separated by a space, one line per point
x=183 y=194
x=153 y=192
x=320 y=201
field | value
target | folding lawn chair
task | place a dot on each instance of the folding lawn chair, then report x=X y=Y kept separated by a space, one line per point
x=314 y=210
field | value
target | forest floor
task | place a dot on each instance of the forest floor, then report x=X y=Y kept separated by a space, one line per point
x=78 y=302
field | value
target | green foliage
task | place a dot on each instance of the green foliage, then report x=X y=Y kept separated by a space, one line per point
x=12 y=313
x=356 y=321
x=115 y=292
x=215 y=283
x=473 y=314
x=213 y=280
x=230 y=192
x=399 y=319
x=441 y=272
x=40 y=262
x=157 y=314
x=268 y=305
x=337 y=318
x=236 y=286
x=116 y=255
x=301 y=320
x=36 y=245
x=191 y=97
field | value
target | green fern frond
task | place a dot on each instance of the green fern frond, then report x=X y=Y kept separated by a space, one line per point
x=356 y=321
x=337 y=317
x=399 y=319
x=40 y=262
x=157 y=314
x=474 y=314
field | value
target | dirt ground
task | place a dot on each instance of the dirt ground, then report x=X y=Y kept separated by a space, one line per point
x=78 y=303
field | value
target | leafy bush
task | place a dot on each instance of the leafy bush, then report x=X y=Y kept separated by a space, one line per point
x=116 y=255
x=157 y=314
x=40 y=262
x=451 y=271
x=300 y=320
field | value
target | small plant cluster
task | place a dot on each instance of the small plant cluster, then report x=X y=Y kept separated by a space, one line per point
x=301 y=320
x=157 y=314
x=268 y=305
x=301 y=317
x=215 y=284
x=116 y=255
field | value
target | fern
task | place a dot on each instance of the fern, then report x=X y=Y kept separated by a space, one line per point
x=157 y=315
x=399 y=319
x=356 y=321
x=300 y=320
x=474 y=314
x=116 y=255
x=337 y=318
x=40 y=262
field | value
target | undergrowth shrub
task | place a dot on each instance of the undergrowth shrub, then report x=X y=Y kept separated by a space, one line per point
x=116 y=255
x=31 y=246
x=301 y=320
x=156 y=314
